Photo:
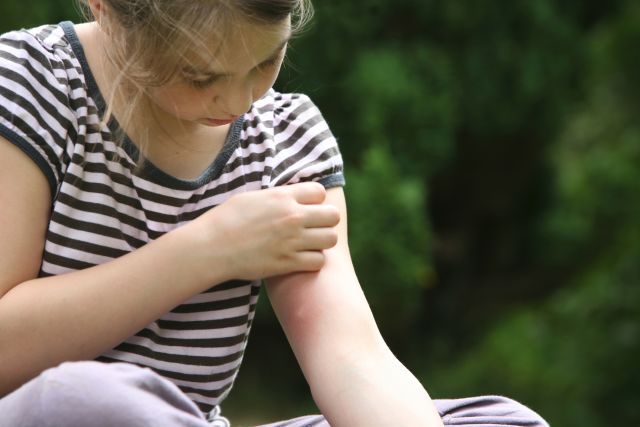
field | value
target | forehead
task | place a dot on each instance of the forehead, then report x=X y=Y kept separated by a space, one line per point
x=241 y=44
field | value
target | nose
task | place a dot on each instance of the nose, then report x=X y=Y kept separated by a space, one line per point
x=235 y=98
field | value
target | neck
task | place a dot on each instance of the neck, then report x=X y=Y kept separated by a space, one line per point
x=182 y=149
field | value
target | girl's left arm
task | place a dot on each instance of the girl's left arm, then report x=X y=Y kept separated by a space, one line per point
x=354 y=378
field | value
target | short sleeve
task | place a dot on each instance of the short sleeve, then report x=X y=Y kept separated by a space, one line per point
x=34 y=102
x=305 y=148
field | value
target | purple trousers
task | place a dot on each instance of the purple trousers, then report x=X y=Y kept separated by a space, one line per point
x=92 y=394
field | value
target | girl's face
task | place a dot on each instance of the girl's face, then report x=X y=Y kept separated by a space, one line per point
x=214 y=90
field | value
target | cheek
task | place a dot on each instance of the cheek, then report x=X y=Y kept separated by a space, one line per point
x=180 y=102
x=264 y=83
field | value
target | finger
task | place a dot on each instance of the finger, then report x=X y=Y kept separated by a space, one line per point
x=317 y=239
x=308 y=193
x=309 y=261
x=320 y=216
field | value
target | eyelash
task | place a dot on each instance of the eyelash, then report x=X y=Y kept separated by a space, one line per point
x=202 y=84
x=269 y=63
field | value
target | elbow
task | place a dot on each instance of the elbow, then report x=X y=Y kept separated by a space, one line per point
x=18 y=363
x=10 y=373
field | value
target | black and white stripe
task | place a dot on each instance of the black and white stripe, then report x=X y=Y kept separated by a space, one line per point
x=103 y=208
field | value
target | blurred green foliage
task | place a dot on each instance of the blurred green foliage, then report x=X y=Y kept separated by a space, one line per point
x=492 y=155
x=387 y=216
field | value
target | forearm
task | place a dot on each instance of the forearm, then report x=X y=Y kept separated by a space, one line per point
x=80 y=315
x=376 y=390
x=354 y=378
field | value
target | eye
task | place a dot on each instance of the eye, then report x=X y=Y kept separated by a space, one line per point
x=201 y=83
x=271 y=63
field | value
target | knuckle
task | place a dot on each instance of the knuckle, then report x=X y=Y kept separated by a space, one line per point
x=317 y=261
x=278 y=195
x=335 y=214
x=294 y=218
x=320 y=190
x=315 y=190
x=333 y=238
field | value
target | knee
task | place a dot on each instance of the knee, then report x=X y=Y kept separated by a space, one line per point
x=520 y=413
x=108 y=394
x=489 y=410
x=73 y=393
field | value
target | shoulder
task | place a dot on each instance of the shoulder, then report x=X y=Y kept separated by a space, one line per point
x=41 y=48
x=274 y=102
x=40 y=60
x=288 y=117
x=285 y=112
x=46 y=37
x=295 y=139
x=38 y=68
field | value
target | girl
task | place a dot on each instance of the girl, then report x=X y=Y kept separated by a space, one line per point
x=150 y=178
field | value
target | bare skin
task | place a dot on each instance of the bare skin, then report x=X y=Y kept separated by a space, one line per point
x=284 y=230
x=296 y=236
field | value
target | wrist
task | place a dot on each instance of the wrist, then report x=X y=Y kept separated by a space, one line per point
x=197 y=255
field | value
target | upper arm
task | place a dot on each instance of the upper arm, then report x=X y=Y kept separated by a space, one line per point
x=25 y=199
x=304 y=148
x=325 y=314
x=36 y=119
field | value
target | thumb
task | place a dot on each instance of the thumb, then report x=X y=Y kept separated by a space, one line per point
x=308 y=193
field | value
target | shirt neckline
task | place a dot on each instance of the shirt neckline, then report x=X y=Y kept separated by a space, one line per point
x=148 y=170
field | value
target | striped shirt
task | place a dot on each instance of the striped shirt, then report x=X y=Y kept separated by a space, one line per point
x=104 y=207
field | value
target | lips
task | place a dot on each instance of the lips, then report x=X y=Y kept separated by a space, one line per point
x=219 y=122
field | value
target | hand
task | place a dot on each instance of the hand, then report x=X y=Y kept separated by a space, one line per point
x=270 y=232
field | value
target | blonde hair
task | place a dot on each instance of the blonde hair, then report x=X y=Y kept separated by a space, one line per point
x=149 y=39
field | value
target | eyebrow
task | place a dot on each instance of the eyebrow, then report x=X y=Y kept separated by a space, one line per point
x=188 y=69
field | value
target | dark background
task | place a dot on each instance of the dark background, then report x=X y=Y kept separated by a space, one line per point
x=492 y=155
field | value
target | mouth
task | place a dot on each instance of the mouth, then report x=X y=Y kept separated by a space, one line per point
x=219 y=122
